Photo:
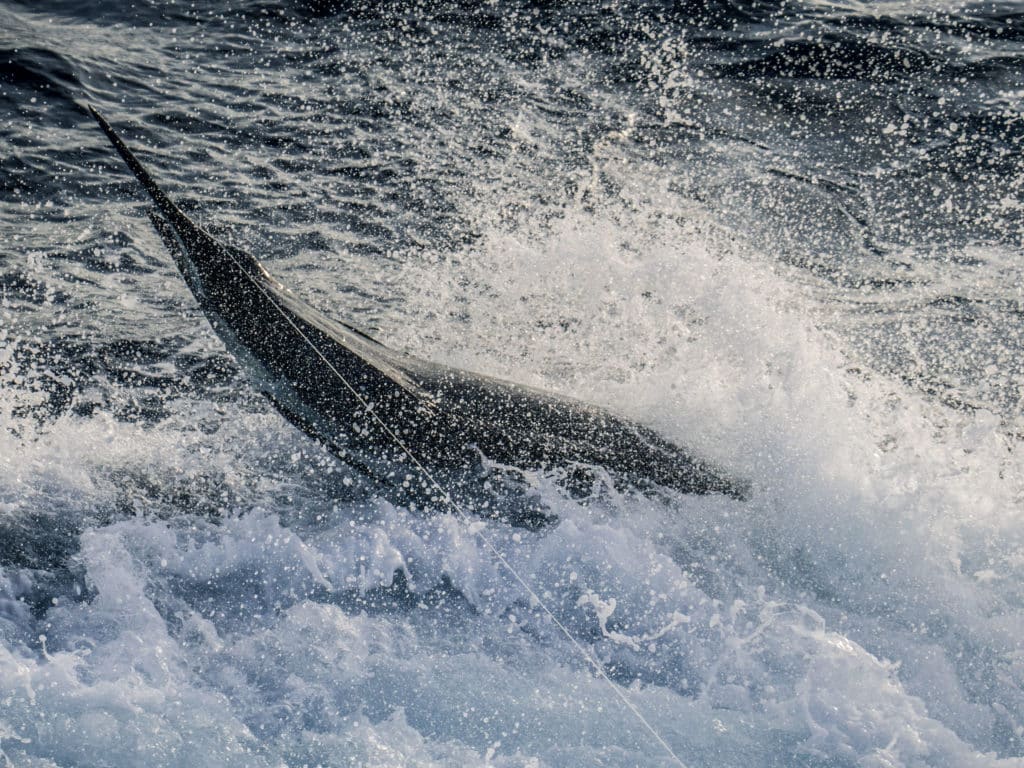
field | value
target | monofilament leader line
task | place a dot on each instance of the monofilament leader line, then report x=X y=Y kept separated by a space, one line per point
x=464 y=516
x=164 y=203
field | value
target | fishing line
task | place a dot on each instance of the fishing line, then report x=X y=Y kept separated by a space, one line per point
x=464 y=516
x=171 y=212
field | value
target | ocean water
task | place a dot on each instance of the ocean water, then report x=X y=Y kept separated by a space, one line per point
x=787 y=234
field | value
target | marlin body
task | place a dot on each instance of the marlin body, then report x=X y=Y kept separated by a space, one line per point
x=390 y=414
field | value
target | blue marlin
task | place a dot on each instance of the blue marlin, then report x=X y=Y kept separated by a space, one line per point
x=390 y=414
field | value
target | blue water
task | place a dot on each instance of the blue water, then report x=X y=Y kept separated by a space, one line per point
x=790 y=235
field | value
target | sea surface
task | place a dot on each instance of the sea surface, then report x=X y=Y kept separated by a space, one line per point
x=788 y=234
